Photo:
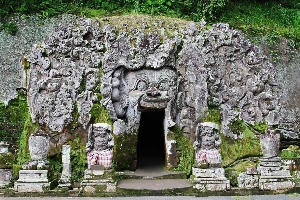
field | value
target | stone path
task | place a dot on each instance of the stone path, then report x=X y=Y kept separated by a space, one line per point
x=139 y=184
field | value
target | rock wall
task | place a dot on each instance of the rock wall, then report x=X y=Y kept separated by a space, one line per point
x=214 y=68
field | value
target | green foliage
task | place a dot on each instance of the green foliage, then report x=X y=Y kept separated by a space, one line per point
x=16 y=169
x=235 y=149
x=214 y=115
x=187 y=154
x=6 y=160
x=260 y=127
x=264 y=18
x=293 y=152
x=78 y=160
x=10 y=27
x=12 y=119
x=233 y=172
x=125 y=151
x=191 y=9
x=55 y=169
x=100 y=114
x=23 y=150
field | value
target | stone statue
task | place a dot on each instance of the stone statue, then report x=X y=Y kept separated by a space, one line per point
x=100 y=145
x=207 y=145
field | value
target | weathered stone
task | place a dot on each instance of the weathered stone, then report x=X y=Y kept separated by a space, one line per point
x=32 y=181
x=270 y=143
x=120 y=127
x=65 y=179
x=4 y=147
x=100 y=145
x=247 y=181
x=39 y=145
x=5 y=177
x=207 y=144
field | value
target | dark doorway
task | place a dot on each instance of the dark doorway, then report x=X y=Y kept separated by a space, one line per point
x=151 y=140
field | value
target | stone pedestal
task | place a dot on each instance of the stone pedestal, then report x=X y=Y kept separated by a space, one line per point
x=248 y=179
x=274 y=176
x=97 y=180
x=5 y=177
x=65 y=180
x=32 y=181
x=211 y=179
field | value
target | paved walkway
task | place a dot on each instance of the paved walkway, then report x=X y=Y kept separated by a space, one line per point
x=261 y=197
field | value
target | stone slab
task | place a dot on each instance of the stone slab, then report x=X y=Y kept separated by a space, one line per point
x=247 y=181
x=267 y=184
x=33 y=176
x=212 y=187
x=31 y=187
x=209 y=173
x=163 y=184
x=5 y=176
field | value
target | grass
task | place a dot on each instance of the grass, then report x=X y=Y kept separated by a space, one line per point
x=263 y=18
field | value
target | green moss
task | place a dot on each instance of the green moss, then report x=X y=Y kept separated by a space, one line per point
x=187 y=155
x=260 y=127
x=23 y=151
x=6 y=160
x=55 y=168
x=25 y=63
x=214 y=115
x=235 y=149
x=75 y=115
x=78 y=160
x=16 y=169
x=100 y=114
x=233 y=172
x=12 y=119
x=125 y=151
x=293 y=152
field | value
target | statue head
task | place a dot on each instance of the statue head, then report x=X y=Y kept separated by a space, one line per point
x=99 y=137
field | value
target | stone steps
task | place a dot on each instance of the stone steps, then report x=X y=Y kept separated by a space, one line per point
x=154 y=187
x=152 y=175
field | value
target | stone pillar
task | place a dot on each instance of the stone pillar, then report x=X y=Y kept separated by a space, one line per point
x=6 y=159
x=65 y=180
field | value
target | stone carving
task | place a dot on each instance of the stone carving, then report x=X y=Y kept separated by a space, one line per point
x=100 y=145
x=207 y=145
x=270 y=143
x=208 y=156
x=39 y=145
x=248 y=179
x=65 y=179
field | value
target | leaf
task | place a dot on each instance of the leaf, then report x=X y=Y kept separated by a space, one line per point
x=149 y=2
x=169 y=3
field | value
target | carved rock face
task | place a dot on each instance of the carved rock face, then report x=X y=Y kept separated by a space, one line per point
x=155 y=87
x=99 y=137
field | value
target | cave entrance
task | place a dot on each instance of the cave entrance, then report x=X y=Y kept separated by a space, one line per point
x=151 y=140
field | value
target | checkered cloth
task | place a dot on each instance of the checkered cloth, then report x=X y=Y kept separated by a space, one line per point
x=103 y=157
x=211 y=156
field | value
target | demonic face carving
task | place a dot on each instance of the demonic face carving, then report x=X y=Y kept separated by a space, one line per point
x=155 y=87
x=207 y=143
x=100 y=137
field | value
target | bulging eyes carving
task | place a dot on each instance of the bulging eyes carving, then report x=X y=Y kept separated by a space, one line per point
x=142 y=85
x=164 y=85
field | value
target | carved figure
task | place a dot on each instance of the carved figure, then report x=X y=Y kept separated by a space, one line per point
x=100 y=145
x=207 y=145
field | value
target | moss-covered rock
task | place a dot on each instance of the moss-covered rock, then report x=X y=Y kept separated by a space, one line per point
x=125 y=151
x=292 y=152
x=187 y=153
x=233 y=172
x=235 y=149
x=6 y=160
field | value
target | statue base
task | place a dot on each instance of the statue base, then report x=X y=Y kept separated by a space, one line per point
x=5 y=177
x=211 y=179
x=274 y=176
x=98 y=181
x=32 y=181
